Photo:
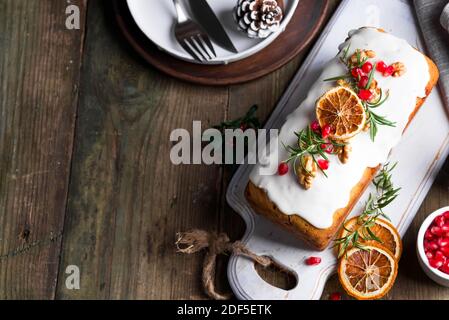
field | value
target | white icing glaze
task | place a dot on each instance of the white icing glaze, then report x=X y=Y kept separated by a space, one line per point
x=318 y=204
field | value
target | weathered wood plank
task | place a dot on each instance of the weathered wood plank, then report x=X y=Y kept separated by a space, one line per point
x=39 y=73
x=126 y=199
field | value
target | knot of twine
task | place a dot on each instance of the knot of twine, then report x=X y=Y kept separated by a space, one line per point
x=196 y=240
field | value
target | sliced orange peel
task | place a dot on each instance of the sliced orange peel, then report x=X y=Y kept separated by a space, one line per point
x=343 y=111
x=367 y=273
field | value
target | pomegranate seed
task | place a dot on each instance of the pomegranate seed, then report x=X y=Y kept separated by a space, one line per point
x=327 y=147
x=432 y=246
x=335 y=296
x=443 y=242
x=440 y=255
x=326 y=131
x=445 y=251
x=439 y=221
x=388 y=71
x=367 y=67
x=429 y=255
x=282 y=169
x=445 y=268
x=313 y=261
x=445 y=228
x=428 y=235
x=324 y=164
x=436 y=231
x=357 y=73
x=315 y=126
x=365 y=94
x=436 y=263
x=446 y=214
x=363 y=82
x=381 y=66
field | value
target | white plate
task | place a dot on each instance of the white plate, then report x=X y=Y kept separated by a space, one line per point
x=419 y=159
x=156 y=19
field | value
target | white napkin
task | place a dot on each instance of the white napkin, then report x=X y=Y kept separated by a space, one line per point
x=436 y=35
x=444 y=19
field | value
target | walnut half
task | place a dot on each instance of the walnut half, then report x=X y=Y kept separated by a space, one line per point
x=306 y=172
x=399 y=69
x=363 y=54
x=344 y=153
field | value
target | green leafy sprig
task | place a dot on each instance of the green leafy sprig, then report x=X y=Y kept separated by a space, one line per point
x=309 y=143
x=374 y=208
x=248 y=121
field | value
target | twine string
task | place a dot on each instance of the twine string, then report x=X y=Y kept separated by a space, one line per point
x=197 y=240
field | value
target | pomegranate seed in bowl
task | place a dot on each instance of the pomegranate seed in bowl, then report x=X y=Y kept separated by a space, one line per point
x=436 y=243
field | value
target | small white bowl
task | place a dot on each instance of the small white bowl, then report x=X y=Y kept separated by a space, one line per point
x=434 y=274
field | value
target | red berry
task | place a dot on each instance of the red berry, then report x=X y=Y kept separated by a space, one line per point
x=445 y=251
x=439 y=221
x=436 y=263
x=315 y=126
x=443 y=242
x=365 y=94
x=436 y=231
x=440 y=255
x=335 y=296
x=324 y=164
x=431 y=246
x=363 y=82
x=357 y=73
x=282 y=169
x=326 y=131
x=388 y=71
x=313 y=261
x=327 y=147
x=428 y=235
x=381 y=66
x=367 y=67
x=445 y=267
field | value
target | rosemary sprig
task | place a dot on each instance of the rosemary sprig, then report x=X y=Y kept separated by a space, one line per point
x=309 y=143
x=374 y=119
x=385 y=194
x=249 y=120
x=345 y=53
x=342 y=77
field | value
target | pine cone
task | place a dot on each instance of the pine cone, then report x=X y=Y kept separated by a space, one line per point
x=258 y=18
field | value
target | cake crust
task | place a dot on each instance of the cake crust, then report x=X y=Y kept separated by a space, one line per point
x=320 y=238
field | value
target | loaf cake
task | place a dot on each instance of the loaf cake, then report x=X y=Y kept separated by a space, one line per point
x=315 y=214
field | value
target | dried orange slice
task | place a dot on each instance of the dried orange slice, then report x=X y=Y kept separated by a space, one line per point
x=367 y=273
x=383 y=230
x=343 y=111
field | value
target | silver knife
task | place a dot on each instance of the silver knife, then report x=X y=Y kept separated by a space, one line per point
x=206 y=17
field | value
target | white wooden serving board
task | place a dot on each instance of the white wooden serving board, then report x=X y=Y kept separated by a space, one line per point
x=420 y=155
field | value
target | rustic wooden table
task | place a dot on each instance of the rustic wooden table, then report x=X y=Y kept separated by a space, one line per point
x=85 y=175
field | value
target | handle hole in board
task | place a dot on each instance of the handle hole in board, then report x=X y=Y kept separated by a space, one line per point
x=277 y=276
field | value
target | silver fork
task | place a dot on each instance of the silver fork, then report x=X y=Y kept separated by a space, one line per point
x=192 y=38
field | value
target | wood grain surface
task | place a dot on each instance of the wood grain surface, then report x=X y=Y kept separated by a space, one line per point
x=85 y=175
x=39 y=77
